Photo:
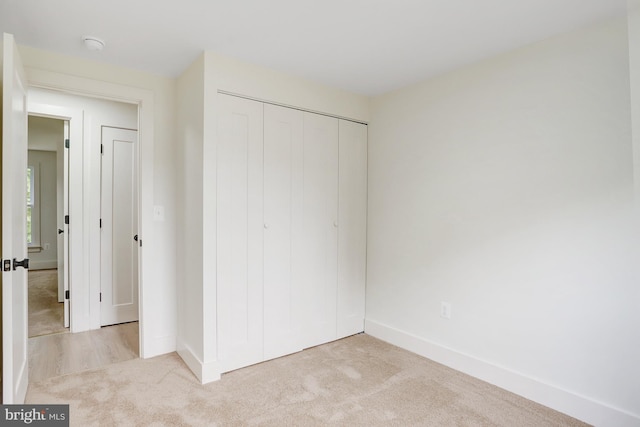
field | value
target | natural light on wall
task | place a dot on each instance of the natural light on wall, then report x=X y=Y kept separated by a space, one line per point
x=33 y=227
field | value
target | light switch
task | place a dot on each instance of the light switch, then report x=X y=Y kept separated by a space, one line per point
x=158 y=213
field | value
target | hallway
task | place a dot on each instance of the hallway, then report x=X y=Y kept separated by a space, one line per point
x=65 y=353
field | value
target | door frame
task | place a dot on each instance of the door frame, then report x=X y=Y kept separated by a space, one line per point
x=88 y=317
x=72 y=119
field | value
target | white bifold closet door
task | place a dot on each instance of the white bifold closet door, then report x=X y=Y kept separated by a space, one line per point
x=352 y=236
x=320 y=227
x=283 y=230
x=240 y=233
x=291 y=230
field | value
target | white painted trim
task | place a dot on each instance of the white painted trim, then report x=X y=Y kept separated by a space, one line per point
x=211 y=372
x=159 y=345
x=292 y=107
x=204 y=372
x=565 y=401
x=145 y=100
x=89 y=295
x=192 y=362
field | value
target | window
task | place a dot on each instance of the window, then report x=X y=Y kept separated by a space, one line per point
x=33 y=217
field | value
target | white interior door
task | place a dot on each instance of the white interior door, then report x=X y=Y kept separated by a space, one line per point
x=63 y=232
x=14 y=223
x=65 y=225
x=283 y=184
x=119 y=228
x=352 y=234
x=320 y=227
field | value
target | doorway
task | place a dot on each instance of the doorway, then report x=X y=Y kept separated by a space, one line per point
x=48 y=309
x=86 y=117
x=152 y=340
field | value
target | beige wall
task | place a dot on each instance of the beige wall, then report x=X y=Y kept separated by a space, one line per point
x=45 y=133
x=506 y=189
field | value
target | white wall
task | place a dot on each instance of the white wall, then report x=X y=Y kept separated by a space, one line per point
x=506 y=189
x=190 y=90
x=157 y=136
x=208 y=75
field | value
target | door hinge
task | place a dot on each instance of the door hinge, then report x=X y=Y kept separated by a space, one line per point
x=66 y=294
x=66 y=143
x=101 y=149
x=100 y=296
x=66 y=219
x=100 y=222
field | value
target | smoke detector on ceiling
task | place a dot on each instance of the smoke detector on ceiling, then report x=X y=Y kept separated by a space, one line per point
x=93 y=43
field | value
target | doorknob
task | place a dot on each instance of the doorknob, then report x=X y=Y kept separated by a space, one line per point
x=60 y=231
x=24 y=263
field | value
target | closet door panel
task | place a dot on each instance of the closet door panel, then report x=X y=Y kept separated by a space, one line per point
x=352 y=236
x=320 y=226
x=240 y=232
x=283 y=178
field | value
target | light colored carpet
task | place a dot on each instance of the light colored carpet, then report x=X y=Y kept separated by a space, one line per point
x=357 y=381
x=46 y=314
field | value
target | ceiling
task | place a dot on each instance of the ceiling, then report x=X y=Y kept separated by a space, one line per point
x=364 y=46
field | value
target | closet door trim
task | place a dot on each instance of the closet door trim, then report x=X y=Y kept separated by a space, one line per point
x=292 y=107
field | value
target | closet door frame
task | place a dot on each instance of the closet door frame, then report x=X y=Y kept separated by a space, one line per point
x=291 y=230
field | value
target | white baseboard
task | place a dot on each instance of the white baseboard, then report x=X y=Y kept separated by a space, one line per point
x=204 y=372
x=157 y=346
x=577 y=406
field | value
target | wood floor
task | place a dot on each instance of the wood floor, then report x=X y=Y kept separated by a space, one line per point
x=65 y=353
x=46 y=314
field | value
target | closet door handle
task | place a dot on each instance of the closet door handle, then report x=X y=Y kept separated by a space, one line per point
x=266 y=225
